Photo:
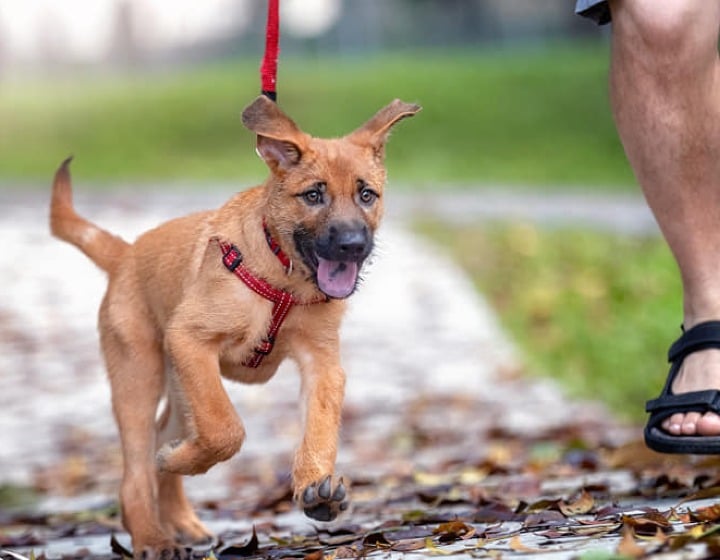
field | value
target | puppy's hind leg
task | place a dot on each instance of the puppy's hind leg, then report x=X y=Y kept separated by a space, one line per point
x=134 y=362
x=176 y=513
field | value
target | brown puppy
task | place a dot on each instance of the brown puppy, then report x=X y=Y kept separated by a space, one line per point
x=204 y=296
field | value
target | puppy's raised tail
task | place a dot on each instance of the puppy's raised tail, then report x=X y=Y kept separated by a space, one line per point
x=103 y=248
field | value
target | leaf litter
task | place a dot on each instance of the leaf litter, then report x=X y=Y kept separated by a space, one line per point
x=435 y=490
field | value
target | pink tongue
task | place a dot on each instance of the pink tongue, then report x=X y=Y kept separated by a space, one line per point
x=337 y=278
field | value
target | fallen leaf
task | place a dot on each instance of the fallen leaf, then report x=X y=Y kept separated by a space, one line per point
x=583 y=504
x=453 y=530
x=494 y=512
x=628 y=546
x=544 y=518
x=698 y=533
x=637 y=456
x=376 y=540
x=117 y=548
x=248 y=549
x=648 y=523
x=598 y=531
x=517 y=545
x=408 y=545
x=347 y=552
x=542 y=505
x=706 y=514
x=435 y=549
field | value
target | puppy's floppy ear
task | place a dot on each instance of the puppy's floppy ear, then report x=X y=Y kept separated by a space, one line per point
x=279 y=140
x=375 y=132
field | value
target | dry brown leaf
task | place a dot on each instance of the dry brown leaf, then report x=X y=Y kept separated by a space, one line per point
x=347 y=552
x=249 y=548
x=408 y=545
x=542 y=505
x=706 y=514
x=517 y=545
x=454 y=530
x=636 y=455
x=628 y=546
x=376 y=540
x=597 y=531
x=711 y=492
x=659 y=538
x=435 y=549
x=647 y=524
x=698 y=533
x=544 y=518
x=583 y=504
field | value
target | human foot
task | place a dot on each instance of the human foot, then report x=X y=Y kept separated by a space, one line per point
x=700 y=371
x=685 y=418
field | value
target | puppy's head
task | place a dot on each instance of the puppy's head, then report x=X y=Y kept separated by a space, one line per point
x=325 y=196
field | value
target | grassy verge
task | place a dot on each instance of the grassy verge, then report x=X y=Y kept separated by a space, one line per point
x=594 y=310
x=529 y=117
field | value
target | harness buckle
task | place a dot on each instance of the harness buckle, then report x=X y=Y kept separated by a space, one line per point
x=236 y=256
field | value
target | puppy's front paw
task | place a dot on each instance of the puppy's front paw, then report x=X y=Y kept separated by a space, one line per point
x=324 y=500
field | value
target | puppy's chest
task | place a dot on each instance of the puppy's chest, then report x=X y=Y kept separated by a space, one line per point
x=254 y=355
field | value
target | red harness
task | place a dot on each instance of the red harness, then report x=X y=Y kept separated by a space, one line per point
x=282 y=300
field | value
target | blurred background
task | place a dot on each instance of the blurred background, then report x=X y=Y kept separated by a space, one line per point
x=514 y=90
x=516 y=123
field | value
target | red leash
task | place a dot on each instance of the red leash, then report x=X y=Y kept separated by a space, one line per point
x=268 y=69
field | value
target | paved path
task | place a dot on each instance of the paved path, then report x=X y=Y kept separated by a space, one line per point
x=625 y=213
x=417 y=330
x=415 y=327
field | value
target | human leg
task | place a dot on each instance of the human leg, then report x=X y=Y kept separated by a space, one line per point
x=665 y=92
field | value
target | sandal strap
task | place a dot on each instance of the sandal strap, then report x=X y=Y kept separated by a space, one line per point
x=701 y=336
x=695 y=401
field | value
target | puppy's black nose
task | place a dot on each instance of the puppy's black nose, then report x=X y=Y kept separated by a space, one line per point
x=352 y=244
x=345 y=242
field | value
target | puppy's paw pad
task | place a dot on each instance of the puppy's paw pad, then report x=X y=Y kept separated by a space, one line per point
x=323 y=501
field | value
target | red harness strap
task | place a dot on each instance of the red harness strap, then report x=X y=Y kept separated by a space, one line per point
x=277 y=250
x=282 y=300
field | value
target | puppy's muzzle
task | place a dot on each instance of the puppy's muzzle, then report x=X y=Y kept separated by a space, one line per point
x=343 y=241
x=339 y=251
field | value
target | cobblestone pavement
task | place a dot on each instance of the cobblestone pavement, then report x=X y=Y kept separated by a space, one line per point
x=416 y=331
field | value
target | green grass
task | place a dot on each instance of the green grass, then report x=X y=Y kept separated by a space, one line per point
x=529 y=117
x=593 y=310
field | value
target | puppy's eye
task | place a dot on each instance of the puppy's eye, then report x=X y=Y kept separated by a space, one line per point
x=366 y=194
x=314 y=195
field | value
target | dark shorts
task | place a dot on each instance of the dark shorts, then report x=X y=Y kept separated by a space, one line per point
x=596 y=10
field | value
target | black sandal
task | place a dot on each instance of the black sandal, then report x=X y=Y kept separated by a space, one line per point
x=700 y=337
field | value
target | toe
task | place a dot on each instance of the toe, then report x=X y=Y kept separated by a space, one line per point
x=689 y=423
x=708 y=424
x=673 y=424
x=325 y=499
